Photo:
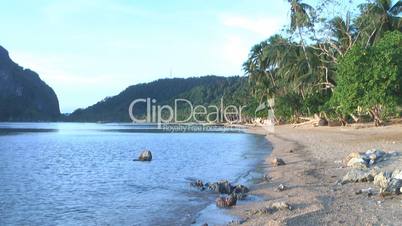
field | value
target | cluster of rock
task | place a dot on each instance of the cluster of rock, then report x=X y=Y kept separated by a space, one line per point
x=364 y=160
x=231 y=193
x=364 y=170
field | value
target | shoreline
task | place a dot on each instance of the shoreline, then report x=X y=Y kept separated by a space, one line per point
x=211 y=214
x=312 y=156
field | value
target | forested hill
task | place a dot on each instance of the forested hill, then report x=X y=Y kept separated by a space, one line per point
x=23 y=95
x=199 y=90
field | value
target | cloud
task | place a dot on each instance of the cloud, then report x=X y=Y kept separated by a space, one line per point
x=264 y=26
x=235 y=50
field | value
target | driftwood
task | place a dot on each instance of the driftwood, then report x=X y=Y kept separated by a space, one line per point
x=315 y=121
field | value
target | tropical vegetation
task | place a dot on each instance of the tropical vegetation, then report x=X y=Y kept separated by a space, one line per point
x=346 y=67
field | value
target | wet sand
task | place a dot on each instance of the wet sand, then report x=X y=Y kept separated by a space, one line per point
x=312 y=157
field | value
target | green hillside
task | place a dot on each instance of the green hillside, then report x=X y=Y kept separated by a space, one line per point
x=204 y=90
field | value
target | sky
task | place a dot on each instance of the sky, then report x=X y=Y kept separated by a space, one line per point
x=88 y=50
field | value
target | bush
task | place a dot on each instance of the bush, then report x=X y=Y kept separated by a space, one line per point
x=370 y=79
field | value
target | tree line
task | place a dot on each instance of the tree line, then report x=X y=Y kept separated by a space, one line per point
x=343 y=67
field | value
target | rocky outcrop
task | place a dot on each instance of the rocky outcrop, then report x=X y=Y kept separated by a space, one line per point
x=363 y=170
x=23 y=95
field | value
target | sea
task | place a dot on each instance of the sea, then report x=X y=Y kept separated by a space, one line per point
x=84 y=173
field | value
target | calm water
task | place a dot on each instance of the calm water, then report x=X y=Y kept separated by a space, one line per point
x=83 y=174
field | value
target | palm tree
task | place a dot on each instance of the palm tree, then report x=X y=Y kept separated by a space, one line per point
x=257 y=68
x=377 y=17
x=301 y=17
x=342 y=34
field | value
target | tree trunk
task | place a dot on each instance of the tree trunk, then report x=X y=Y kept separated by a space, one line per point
x=304 y=49
x=375 y=112
x=343 y=121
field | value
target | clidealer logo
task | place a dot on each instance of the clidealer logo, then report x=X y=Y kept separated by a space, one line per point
x=184 y=112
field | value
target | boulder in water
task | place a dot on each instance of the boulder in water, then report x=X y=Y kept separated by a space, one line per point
x=146 y=155
x=240 y=191
x=222 y=187
x=198 y=184
x=224 y=202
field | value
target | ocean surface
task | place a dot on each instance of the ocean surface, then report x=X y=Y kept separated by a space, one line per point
x=84 y=174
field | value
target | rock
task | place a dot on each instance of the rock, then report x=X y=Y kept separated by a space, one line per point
x=388 y=184
x=397 y=174
x=363 y=160
x=220 y=202
x=372 y=157
x=377 y=152
x=357 y=163
x=272 y=209
x=198 y=184
x=358 y=175
x=145 y=156
x=222 y=187
x=376 y=156
x=223 y=202
x=277 y=162
x=240 y=191
x=241 y=188
x=281 y=206
x=351 y=156
x=369 y=191
x=267 y=178
x=382 y=179
x=281 y=187
x=394 y=186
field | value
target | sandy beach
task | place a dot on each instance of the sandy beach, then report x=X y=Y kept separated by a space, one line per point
x=313 y=167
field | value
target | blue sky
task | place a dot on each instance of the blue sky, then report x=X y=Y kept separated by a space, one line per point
x=87 y=50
